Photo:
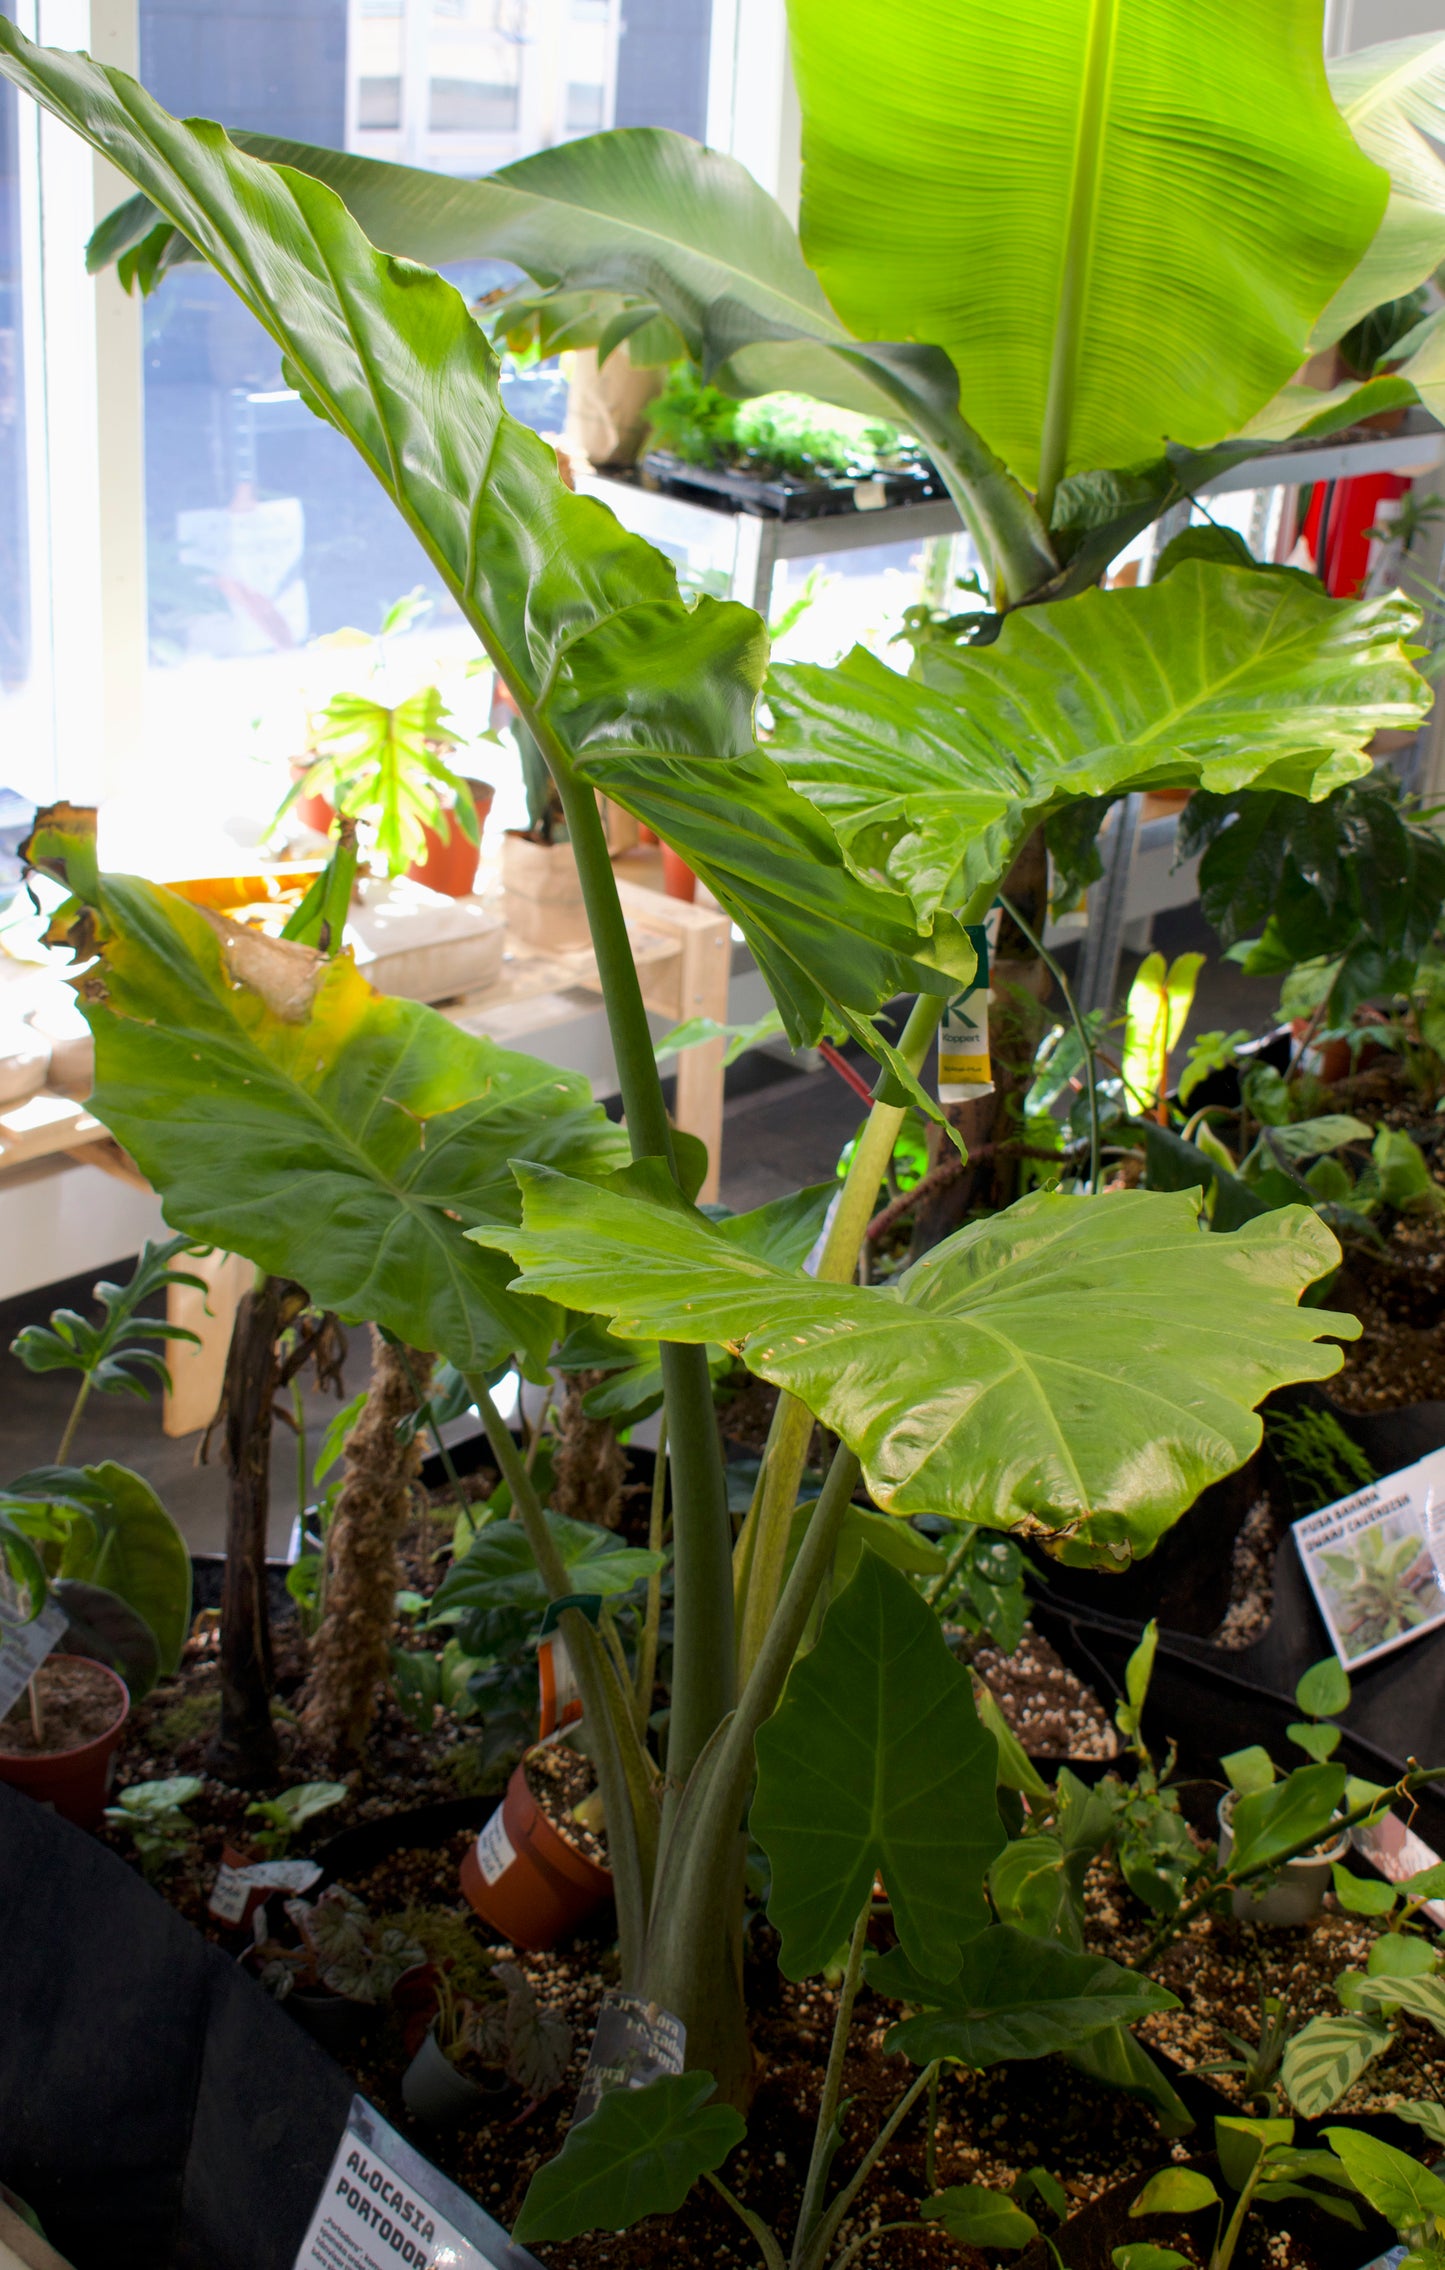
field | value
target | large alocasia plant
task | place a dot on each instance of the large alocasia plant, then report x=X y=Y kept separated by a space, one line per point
x=962 y=1388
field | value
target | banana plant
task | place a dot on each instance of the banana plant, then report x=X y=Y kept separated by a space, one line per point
x=1076 y=1369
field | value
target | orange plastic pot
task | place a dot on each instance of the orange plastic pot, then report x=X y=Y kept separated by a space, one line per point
x=678 y=879
x=74 y=1782
x=450 y=863
x=314 y=812
x=526 y=1882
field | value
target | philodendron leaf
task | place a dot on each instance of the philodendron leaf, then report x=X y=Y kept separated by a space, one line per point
x=652 y=697
x=1013 y=1996
x=332 y=1134
x=875 y=1761
x=639 y=2153
x=1215 y=677
x=980 y=2217
x=1406 y=2194
x=1326 y=2057
x=129 y=1545
x=1039 y=190
x=1324 y=1690
x=500 y=1571
x=1079 y=1368
x=1175 y=2191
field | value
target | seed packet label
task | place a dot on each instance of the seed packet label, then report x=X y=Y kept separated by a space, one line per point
x=237 y=1889
x=1375 y=1560
x=635 y=2042
x=383 y=2206
x=24 y=1647
x=495 y=1849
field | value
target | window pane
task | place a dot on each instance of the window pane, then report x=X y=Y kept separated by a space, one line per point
x=473 y=106
x=14 y=549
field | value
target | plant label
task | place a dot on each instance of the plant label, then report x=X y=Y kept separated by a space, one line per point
x=1370 y=1562
x=24 y=1647
x=383 y=2207
x=239 y=1890
x=965 y=1065
x=495 y=1849
x=559 y=1697
x=635 y=2042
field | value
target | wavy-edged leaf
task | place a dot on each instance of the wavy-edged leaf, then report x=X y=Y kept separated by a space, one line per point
x=875 y=1761
x=374 y=1131
x=1013 y=1996
x=1075 y=1367
x=1326 y=2057
x=1215 y=677
x=127 y=1543
x=1145 y=233
x=584 y=621
x=639 y=2153
x=1393 y=100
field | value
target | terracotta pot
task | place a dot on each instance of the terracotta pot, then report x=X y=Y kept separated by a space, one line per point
x=648 y=837
x=75 y=1782
x=544 y=893
x=525 y=1880
x=678 y=879
x=450 y=864
x=314 y=812
x=1297 y=1894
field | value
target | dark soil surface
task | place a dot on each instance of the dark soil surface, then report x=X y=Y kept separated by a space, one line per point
x=1052 y=1712
x=1398 y=1293
x=560 y=1780
x=78 y=1702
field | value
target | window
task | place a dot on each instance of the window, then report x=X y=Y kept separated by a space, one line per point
x=15 y=634
x=472 y=106
x=378 y=103
x=586 y=108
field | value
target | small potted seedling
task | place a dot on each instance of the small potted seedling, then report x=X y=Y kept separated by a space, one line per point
x=280 y=1818
x=488 y=2030
x=538 y=1869
x=1258 y=1800
x=342 y=1969
x=152 y=1815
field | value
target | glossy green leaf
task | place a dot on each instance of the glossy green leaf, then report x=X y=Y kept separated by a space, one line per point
x=1239 y=2143
x=639 y=2153
x=1073 y=1366
x=1393 y=100
x=1175 y=2191
x=1272 y=1821
x=1317 y=1742
x=1362 y=1895
x=1324 y=1690
x=1013 y=1996
x=1123 y=220
x=875 y=1762
x=1142 y=2256
x=1116 y=2059
x=1032 y=1887
x=1406 y=2194
x=126 y=1542
x=498 y=1569
x=976 y=2216
x=1215 y=677
x=652 y=697
x=1248 y=1770
x=1399 y=1954
x=375 y=1132
x=1326 y=2057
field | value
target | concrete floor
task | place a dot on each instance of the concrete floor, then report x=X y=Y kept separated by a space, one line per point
x=782 y=1128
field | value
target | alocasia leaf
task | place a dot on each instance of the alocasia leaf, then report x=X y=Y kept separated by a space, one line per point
x=1012 y=1997
x=1077 y=1367
x=875 y=1761
x=615 y=673
x=374 y=1132
x=1215 y=677
x=1120 y=223
x=126 y=1543
x=639 y=2153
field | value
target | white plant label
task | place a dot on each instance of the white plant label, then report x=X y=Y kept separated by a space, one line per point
x=234 y=1886
x=24 y=1647
x=383 y=2207
x=495 y=1849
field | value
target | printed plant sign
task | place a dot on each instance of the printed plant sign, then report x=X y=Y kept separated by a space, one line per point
x=1372 y=1561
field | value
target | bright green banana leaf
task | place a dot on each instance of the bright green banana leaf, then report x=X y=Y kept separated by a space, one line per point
x=1212 y=675
x=1120 y=218
x=287 y=1112
x=1393 y=100
x=1077 y=1368
x=584 y=621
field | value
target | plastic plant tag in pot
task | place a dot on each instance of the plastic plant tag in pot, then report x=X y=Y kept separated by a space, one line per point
x=634 y=2042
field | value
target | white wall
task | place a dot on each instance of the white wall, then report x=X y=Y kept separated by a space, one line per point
x=1361 y=23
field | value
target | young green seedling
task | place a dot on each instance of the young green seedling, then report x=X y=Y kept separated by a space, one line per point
x=151 y=1814
x=280 y=1818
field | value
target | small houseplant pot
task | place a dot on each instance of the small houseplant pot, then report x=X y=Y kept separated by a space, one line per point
x=450 y=861
x=338 y=2021
x=434 y=2092
x=314 y=812
x=678 y=879
x=74 y=1780
x=544 y=892
x=1298 y=1892
x=523 y=1877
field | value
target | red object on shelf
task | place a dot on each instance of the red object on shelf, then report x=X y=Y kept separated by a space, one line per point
x=678 y=879
x=450 y=864
x=1336 y=527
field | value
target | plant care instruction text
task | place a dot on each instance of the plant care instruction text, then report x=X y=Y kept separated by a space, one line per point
x=383 y=2207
